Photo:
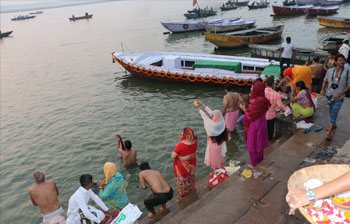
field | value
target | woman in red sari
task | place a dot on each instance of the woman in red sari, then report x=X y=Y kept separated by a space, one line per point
x=184 y=156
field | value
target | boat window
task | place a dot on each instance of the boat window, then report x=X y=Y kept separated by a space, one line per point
x=158 y=63
x=248 y=68
x=259 y=69
x=189 y=63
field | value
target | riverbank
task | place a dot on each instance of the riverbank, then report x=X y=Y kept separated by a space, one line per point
x=238 y=200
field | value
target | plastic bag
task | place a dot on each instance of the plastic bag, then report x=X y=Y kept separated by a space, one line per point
x=217 y=176
x=128 y=215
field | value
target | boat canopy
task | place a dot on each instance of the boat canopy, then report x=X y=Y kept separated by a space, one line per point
x=272 y=70
x=224 y=65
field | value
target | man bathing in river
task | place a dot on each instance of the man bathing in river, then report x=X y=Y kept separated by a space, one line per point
x=126 y=152
x=45 y=196
x=162 y=192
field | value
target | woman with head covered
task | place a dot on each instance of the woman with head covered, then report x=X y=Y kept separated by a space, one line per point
x=112 y=188
x=255 y=124
x=214 y=125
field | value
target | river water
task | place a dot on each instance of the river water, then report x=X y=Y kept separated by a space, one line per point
x=63 y=101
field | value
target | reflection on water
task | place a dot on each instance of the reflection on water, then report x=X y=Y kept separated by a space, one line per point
x=177 y=37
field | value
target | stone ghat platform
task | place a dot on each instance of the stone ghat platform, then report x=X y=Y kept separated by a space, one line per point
x=260 y=200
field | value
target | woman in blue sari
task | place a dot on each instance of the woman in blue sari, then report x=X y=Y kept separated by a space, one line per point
x=112 y=188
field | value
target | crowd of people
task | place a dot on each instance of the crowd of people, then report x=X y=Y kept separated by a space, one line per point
x=257 y=110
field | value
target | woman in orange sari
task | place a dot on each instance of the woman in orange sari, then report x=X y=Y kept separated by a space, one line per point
x=184 y=156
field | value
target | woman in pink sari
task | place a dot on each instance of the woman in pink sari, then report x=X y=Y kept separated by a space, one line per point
x=184 y=156
x=255 y=125
x=214 y=125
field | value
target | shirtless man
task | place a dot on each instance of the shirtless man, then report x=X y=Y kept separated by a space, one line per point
x=162 y=192
x=231 y=108
x=45 y=196
x=128 y=155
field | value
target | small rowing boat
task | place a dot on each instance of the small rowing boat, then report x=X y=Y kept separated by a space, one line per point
x=74 y=18
x=22 y=18
x=229 y=25
x=258 y=5
x=334 y=22
x=6 y=34
x=245 y=37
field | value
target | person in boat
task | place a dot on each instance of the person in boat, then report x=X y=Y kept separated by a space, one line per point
x=185 y=159
x=330 y=60
x=335 y=84
x=162 y=192
x=255 y=124
x=73 y=16
x=214 y=125
x=78 y=204
x=127 y=153
x=113 y=188
x=230 y=108
x=318 y=74
x=297 y=198
x=86 y=14
x=302 y=104
x=287 y=52
x=44 y=194
x=276 y=102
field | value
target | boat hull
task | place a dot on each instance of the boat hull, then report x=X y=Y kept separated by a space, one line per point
x=227 y=41
x=288 y=10
x=80 y=17
x=23 y=18
x=6 y=34
x=258 y=6
x=243 y=3
x=182 y=27
x=321 y=11
x=227 y=8
x=333 y=22
x=197 y=15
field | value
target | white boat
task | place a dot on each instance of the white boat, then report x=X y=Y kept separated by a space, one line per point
x=331 y=2
x=192 y=67
x=187 y=26
x=227 y=26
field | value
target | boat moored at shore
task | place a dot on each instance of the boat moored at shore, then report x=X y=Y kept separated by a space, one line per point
x=334 y=22
x=227 y=26
x=192 y=67
x=245 y=37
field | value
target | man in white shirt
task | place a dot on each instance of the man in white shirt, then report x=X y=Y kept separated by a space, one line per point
x=287 y=51
x=343 y=49
x=79 y=202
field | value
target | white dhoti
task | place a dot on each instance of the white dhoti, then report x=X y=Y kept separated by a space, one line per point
x=55 y=217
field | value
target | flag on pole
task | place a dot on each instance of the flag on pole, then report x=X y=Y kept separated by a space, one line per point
x=194 y=2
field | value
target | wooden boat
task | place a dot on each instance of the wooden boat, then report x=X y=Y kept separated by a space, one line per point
x=328 y=42
x=22 y=17
x=290 y=10
x=258 y=5
x=334 y=22
x=73 y=18
x=245 y=37
x=227 y=26
x=322 y=10
x=331 y=2
x=201 y=14
x=289 y=3
x=273 y=52
x=6 y=34
x=35 y=13
x=241 y=3
x=192 y=67
x=187 y=26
